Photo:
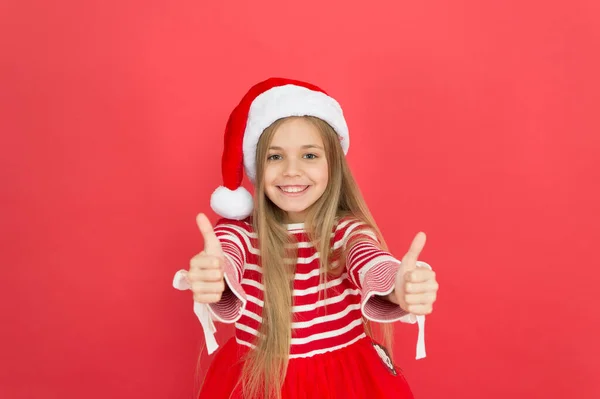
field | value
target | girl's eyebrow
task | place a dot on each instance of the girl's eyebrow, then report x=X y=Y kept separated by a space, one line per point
x=303 y=147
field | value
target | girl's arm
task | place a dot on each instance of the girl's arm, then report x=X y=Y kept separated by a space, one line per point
x=233 y=236
x=374 y=272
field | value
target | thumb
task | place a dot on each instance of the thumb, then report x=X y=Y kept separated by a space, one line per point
x=212 y=245
x=409 y=261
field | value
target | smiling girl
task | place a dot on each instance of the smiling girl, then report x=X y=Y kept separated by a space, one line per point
x=304 y=270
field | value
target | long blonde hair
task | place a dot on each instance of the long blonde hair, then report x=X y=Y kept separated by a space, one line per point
x=265 y=367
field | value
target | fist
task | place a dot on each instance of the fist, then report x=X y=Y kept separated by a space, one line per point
x=206 y=269
x=416 y=287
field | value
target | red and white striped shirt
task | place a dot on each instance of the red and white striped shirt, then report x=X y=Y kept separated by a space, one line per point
x=318 y=325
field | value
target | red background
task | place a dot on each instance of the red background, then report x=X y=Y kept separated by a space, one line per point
x=476 y=122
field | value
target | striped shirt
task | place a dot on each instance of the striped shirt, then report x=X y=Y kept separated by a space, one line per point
x=319 y=325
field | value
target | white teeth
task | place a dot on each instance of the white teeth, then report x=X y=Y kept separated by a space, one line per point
x=292 y=189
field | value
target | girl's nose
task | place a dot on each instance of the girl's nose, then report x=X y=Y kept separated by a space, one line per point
x=291 y=168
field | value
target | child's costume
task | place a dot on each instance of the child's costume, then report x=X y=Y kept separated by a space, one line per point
x=330 y=354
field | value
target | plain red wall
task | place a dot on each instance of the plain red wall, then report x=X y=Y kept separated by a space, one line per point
x=476 y=122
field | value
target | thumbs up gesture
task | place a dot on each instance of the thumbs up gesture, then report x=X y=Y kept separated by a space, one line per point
x=206 y=269
x=416 y=287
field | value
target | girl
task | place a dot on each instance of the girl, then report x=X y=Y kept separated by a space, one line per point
x=304 y=272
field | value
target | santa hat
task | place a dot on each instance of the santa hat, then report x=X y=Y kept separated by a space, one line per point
x=266 y=102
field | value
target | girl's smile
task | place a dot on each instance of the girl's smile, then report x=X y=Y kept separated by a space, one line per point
x=293 y=191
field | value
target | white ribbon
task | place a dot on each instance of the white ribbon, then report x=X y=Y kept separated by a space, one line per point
x=202 y=312
x=421 y=338
x=421 y=323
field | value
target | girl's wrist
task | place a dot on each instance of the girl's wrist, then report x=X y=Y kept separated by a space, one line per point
x=392 y=297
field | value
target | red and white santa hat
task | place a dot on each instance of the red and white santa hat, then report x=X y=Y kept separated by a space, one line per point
x=266 y=102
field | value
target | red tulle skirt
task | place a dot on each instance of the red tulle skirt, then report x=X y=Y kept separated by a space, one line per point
x=357 y=371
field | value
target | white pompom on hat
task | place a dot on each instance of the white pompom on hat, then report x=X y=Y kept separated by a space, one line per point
x=265 y=103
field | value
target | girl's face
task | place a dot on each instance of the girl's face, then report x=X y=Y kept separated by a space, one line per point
x=296 y=171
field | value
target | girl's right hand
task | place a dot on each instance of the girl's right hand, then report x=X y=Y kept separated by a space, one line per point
x=206 y=269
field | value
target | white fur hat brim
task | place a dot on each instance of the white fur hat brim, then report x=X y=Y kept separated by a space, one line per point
x=285 y=101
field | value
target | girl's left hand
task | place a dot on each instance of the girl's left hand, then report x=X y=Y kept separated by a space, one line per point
x=416 y=287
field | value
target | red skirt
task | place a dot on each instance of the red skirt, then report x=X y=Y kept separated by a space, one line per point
x=357 y=371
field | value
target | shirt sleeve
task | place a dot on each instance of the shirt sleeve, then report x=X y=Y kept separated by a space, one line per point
x=373 y=271
x=234 y=238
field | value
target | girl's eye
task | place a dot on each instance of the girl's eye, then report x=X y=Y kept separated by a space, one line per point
x=273 y=157
x=310 y=156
